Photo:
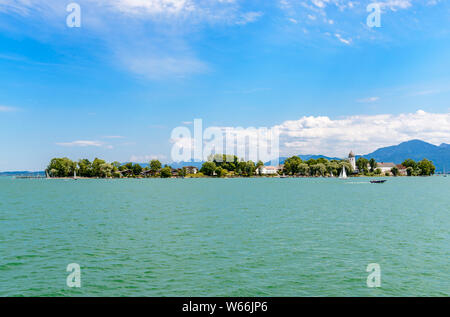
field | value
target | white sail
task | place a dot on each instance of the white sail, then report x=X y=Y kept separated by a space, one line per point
x=343 y=173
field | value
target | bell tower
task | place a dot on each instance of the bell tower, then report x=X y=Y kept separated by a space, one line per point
x=352 y=160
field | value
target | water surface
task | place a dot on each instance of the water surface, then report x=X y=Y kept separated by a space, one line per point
x=225 y=237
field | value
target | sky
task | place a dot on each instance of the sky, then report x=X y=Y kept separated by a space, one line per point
x=134 y=70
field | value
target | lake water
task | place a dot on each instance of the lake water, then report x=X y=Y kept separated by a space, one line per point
x=225 y=237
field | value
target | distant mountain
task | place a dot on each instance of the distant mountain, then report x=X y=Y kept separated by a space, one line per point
x=22 y=173
x=416 y=150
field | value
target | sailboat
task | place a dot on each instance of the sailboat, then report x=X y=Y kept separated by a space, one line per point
x=343 y=174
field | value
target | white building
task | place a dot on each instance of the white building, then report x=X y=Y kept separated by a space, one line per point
x=267 y=170
x=385 y=167
x=352 y=160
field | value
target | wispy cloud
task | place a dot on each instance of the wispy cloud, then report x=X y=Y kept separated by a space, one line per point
x=81 y=143
x=147 y=158
x=343 y=40
x=8 y=109
x=368 y=100
x=164 y=67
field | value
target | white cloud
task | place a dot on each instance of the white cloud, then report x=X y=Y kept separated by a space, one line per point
x=394 y=5
x=163 y=67
x=81 y=143
x=8 y=109
x=369 y=99
x=249 y=17
x=343 y=40
x=153 y=6
x=147 y=158
x=362 y=134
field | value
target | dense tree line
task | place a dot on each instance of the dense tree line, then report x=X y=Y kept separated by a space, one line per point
x=222 y=165
x=64 y=167
x=315 y=167
x=422 y=168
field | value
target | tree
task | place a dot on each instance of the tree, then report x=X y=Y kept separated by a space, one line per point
x=410 y=163
x=318 y=169
x=373 y=164
x=137 y=169
x=155 y=166
x=84 y=168
x=362 y=164
x=61 y=167
x=378 y=171
x=208 y=168
x=291 y=165
x=395 y=171
x=250 y=168
x=426 y=167
x=96 y=171
x=166 y=172
x=182 y=172
x=221 y=172
x=106 y=170
x=303 y=169
x=409 y=171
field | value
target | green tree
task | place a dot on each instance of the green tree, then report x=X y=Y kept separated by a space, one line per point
x=221 y=172
x=291 y=165
x=395 y=171
x=410 y=163
x=182 y=172
x=61 y=167
x=426 y=167
x=84 y=168
x=155 y=166
x=409 y=171
x=106 y=170
x=373 y=164
x=96 y=171
x=208 y=168
x=362 y=164
x=318 y=169
x=137 y=169
x=303 y=169
x=378 y=171
x=166 y=172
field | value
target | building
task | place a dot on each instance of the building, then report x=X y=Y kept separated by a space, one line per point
x=385 y=167
x=267 y=170
x=401 y=170
x=352 y=160
x=191 y=170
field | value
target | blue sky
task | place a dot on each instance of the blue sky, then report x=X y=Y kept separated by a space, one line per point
x=135 y=69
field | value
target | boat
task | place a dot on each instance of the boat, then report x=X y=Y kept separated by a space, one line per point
x=343 y=174
x=379 y=182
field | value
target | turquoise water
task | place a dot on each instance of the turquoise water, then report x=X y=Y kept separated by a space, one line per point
x=225 y=237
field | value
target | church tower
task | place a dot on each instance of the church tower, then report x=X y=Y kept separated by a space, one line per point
x=352 y=160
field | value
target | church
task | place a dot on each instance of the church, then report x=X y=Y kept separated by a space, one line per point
x=352 y=160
